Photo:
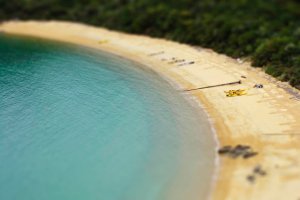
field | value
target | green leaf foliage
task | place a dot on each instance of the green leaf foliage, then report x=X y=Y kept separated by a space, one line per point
x=266 y=31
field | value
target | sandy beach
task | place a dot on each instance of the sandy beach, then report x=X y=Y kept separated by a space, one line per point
x=267 y=119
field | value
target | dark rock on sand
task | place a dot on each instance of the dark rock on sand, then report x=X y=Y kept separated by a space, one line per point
x=239 y=150
x=249 y=155
x=258 y=170
x=225 y=149
x=251 y=178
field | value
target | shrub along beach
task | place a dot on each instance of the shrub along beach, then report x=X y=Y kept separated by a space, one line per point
x=257 y=127
x=266 y=32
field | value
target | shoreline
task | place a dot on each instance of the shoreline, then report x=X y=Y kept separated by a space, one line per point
x=253 y=119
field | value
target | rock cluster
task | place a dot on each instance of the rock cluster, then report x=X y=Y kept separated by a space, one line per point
x=243 y=151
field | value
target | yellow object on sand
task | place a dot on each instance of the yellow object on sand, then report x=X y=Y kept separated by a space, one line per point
x=234 y=93
x=103 y=41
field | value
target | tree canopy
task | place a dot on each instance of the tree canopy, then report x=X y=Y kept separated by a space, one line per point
x=266 y=31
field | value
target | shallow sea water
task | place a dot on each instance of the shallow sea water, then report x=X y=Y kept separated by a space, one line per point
x=79 y=124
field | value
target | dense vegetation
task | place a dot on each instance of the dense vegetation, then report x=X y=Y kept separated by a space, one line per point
x=267 y=31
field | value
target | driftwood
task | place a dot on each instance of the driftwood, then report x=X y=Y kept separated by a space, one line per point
x=231 y=83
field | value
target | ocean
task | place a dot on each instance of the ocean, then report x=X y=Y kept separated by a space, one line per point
x=80 y=124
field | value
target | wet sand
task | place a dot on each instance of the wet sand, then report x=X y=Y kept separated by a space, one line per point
x=266 y=119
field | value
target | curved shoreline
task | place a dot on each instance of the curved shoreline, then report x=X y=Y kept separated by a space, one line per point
x=267 y=119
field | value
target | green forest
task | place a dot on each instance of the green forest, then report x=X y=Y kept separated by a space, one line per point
x=265 y=31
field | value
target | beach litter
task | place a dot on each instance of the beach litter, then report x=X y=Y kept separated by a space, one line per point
x=235 y=93
x=258 y=86
x=102 y=41
x=243 y=151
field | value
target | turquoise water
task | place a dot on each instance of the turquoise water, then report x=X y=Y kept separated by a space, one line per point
x=78 y=124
